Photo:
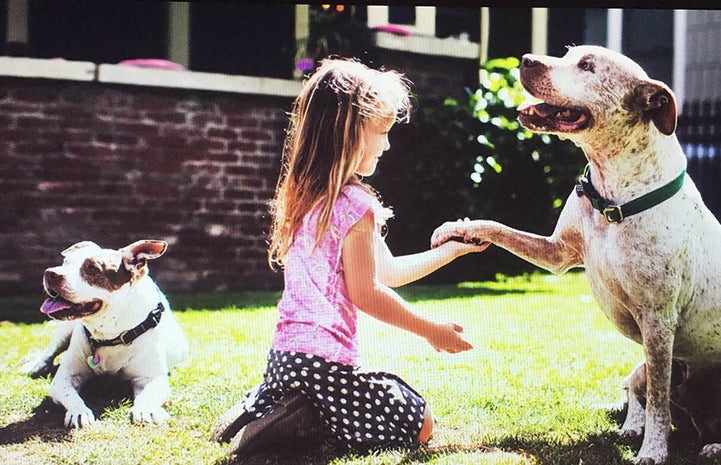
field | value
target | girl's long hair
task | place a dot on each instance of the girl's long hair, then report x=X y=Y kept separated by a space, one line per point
x=324 y=142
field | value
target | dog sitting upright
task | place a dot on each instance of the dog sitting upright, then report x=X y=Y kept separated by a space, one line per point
x=635 y=221
x=113 y=320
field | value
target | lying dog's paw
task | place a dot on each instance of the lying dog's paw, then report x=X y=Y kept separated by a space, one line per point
x=37 y=367
x=711 y=451
x=156 y=415
x=79 y=418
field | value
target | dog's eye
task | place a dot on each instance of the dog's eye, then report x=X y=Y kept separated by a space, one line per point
x=586 y=65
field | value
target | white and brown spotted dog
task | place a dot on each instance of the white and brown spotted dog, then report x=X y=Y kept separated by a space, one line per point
x=113 y=319
x=653 y=264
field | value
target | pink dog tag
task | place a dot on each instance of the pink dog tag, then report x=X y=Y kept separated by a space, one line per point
x=93 y=361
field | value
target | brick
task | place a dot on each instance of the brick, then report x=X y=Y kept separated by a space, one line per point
x=167 y=118
x=203 y=120
x=222 y=133
x=117 y=162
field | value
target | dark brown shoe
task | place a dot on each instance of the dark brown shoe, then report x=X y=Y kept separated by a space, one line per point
x=290 y=421
x=231 y=422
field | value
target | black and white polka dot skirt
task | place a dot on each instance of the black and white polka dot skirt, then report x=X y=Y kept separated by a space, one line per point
x=363 y=410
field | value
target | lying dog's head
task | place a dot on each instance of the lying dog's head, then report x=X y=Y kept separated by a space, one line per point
x=591 y=91
x=82 y=285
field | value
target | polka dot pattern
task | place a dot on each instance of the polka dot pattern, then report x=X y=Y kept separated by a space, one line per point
x=363 y=410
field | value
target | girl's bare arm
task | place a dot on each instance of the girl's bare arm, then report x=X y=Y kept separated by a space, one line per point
x=367 y=291
x=397 y=271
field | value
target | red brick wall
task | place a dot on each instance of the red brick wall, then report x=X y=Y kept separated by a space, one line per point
x=113 y=164
x=116 y=163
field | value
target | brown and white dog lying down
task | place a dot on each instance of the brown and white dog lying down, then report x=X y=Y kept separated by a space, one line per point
x=636 y=221
x=113 y=319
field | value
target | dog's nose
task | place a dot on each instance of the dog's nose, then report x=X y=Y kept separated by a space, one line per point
x=528 y=62
x=52 y=282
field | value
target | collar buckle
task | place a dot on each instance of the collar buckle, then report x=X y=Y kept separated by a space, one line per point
x=122 y=338
x=613 y=213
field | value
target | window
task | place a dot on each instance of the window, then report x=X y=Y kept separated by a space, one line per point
x=424 y=20
x=100 y=32
x=566 y=26
x=405 y=15
x=243 y=38
x=510 y=32
x=458 y=22
x=648 y=39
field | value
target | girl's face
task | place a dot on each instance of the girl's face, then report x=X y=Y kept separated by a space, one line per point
x=375 y=142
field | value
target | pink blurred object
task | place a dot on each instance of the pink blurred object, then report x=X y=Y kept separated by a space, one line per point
x=393 y=29
x=305 y=64
x=155 y=63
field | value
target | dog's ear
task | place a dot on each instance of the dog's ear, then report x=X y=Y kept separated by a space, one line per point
x=78 y=246
x=136 y=255
x=658 y=104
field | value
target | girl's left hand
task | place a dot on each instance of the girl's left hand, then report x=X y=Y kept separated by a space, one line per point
x=448 y=337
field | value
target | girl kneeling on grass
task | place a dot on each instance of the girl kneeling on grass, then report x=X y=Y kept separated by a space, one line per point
x=326 y=234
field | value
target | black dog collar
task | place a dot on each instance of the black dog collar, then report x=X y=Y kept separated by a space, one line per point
x=616 y=213
x=126 y=337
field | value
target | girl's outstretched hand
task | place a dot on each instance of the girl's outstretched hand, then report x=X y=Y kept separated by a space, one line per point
x=446 y=337
x=458 y=248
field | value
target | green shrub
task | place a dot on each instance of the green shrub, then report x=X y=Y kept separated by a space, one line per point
x=473 y=158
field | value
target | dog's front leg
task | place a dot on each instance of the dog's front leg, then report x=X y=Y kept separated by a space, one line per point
x=658 y=344
x=42 y=365
x=556 y=253
x=64 y=391
x=150 y=395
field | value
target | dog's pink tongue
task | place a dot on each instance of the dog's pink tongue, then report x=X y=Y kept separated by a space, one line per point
x=54 y=305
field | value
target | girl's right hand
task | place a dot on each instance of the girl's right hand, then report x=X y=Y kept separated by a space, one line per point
x=458 y=248
x=446 y=337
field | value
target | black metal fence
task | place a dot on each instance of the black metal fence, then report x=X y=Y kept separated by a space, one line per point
x=699 y=131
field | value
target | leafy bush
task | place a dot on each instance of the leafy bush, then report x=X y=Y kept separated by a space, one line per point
x=473 y=158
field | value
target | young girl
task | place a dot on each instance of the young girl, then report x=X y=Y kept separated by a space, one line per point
x=326 y=234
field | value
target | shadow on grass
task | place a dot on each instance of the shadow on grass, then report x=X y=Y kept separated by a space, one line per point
x=446 y=291
x=607 y=449
x=601 y=449
x=46 y=424
x=47 y=420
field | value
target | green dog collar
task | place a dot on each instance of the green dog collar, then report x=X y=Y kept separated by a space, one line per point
x=616 y=213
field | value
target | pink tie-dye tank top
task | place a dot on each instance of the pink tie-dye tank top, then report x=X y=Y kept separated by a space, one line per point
x=315 y=314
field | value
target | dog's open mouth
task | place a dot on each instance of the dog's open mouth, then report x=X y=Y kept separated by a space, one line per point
x=551 y=118
x=60 y=309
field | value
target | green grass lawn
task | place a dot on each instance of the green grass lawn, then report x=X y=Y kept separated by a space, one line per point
x=542 y=385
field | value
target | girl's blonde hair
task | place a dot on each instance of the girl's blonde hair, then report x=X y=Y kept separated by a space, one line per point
x=324 y=142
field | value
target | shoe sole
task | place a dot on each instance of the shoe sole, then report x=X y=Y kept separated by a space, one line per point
x=275 y=428
x=231 y=422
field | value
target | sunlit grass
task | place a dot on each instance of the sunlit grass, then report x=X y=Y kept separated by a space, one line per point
x=540 y=387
